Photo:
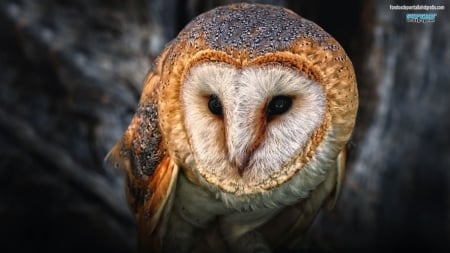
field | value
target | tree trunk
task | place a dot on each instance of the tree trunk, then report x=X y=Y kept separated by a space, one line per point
x=396 y=194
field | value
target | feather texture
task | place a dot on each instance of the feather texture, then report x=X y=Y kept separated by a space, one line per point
x=251 y=174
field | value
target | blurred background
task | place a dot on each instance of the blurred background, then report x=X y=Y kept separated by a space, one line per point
x=71 y=73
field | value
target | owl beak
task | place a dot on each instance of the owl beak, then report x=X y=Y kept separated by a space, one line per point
x=241 y=162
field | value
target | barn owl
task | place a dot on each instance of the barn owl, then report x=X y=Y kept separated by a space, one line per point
x=239 y=136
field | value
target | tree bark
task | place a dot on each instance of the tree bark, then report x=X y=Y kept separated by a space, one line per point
x=396 y=194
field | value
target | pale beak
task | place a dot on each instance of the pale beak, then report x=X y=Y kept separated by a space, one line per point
x=241 y=162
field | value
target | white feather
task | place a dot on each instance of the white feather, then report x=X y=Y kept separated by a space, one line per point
x=216 y=141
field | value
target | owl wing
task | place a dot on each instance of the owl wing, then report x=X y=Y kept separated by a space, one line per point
x=287 y=228
x=340 y=177
x=150 y=173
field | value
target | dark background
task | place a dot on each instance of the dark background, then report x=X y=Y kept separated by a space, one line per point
x=71 y=73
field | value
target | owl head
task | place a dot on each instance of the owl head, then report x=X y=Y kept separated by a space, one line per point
x=252 y=97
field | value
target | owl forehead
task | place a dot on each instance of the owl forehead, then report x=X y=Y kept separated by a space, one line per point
x=226 y=79
x=255 y=29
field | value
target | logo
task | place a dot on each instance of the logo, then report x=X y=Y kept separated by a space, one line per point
x=419 y=13
x=421 y=17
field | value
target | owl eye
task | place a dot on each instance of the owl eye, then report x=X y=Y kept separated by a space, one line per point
x=279 y=105
x=214 y=105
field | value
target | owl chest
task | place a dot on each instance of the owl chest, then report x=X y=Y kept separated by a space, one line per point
x=195 y=209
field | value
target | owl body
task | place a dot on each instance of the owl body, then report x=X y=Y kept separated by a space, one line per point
x=239 y=136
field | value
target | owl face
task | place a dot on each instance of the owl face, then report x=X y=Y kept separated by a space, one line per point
x=251 y=97
x=246 y=124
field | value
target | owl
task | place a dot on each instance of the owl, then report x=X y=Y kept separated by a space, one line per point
x=239 y=136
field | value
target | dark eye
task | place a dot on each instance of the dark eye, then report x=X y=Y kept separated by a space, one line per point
x=215 y=106
x=279 y=105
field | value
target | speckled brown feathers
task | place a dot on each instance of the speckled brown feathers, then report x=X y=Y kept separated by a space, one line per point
x=256 y=181
x=150 y=173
